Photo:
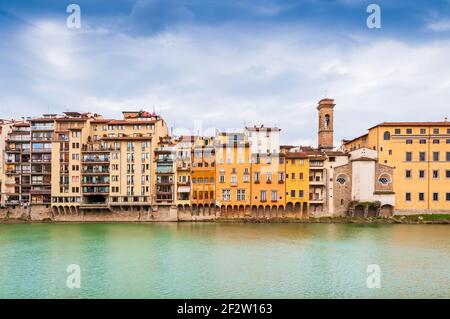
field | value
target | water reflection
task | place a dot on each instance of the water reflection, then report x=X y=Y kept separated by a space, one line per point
x=198 y=260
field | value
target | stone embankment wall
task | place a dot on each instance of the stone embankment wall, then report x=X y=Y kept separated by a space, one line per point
x=43 y=213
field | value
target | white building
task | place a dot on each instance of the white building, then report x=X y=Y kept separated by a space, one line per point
x=263 y=140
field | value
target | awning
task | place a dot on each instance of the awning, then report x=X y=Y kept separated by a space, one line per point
x=184 y=189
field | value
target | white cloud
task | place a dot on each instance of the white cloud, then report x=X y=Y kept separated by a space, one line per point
x=439 y=26
x=227 y=76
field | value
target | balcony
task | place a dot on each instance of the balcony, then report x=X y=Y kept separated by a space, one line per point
x=164 y=170
x=317 y=180
x=89 y=158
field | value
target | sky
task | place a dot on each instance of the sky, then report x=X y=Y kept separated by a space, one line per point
x=210 y=64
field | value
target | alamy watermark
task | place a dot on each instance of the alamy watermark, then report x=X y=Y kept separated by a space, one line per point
x=73 y=280
x=374 y=278
x=73 y=21
x=374 y=19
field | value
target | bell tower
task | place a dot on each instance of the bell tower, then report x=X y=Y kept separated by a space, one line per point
x=326 y=117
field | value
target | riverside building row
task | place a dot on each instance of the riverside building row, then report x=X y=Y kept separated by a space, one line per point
x=82 y=162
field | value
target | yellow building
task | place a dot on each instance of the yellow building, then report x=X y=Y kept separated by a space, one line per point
x=297 y=183
x=233 y=169
x=268 y=184
x=420 y=153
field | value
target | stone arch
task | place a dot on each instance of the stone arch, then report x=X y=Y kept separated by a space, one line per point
x=180 y=208
x=273 y=211
x=255 y=211
x=260 y=211
x=372 y=211
x=387 y=210
x=241 y=211
x=200 y=210
x=289 y=207
x=229 y=210
x=194 y=209
x=247 y=210
x=305 y=210
x=359 y=211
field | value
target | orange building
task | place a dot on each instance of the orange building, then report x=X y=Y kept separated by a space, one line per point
x=233 y=169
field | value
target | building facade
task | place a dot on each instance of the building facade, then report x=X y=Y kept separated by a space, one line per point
x=420 y=153
x=83 y=163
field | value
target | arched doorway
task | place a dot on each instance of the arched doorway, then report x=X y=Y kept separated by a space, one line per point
x=387 y=210
x=359 y=211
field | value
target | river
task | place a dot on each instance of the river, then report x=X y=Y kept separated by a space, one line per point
x=229 y=260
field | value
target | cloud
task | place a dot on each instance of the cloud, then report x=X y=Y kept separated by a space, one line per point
x=439 y=26
x=226 y=75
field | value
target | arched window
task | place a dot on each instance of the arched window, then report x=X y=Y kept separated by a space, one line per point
x=386 y=136
x=327 y=120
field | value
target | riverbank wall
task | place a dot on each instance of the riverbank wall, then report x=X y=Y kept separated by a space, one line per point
x=44 y=213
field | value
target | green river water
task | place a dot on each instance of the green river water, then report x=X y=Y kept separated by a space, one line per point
x=209 y=260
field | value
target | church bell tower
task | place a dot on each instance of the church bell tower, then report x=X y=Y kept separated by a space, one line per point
x=326 y=117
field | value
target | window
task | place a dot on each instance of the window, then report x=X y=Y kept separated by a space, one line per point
x=292 y=193
x=301 y=175
x=447 y=156
x=274 y=196
x=397 y=131
x=341 y=179
x=386 y=136
x=435 y=197
x=421 y=173
x=408 y=197
x=256 y=176
x=422 y=156
x=447 y=173
x=408 y=156
x=76 y=133
x=435 y=141
x=263 y=196
x=435 y=131
x=300 y=193
x=233 y=179
x=421 y=197
x=435 y=174
x=385 y=179
x=221 y=179
x=423 y=131
x=269 y=178
x=447 y=196
x=436 y=156
x=409 y=141
x=226 y=194
x=448 y=141
x=280 y=177
x=390 y=152
x=408 y=173
x=241 y=194
x=409 y=131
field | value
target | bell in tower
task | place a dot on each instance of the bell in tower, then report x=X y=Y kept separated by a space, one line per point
x=325 y=109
